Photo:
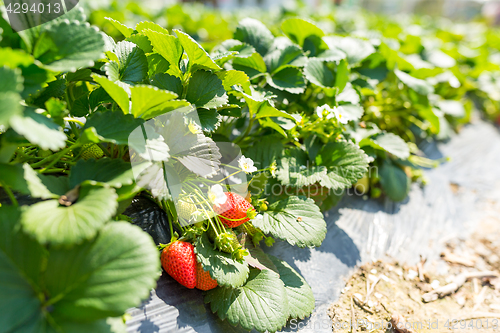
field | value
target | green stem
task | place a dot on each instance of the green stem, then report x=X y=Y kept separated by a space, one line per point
x=59 y=170
x=69 y=120
x=213 y=181
x=185 y=85
x=10 y=194
x=56 y=156
x=59 y=156
x=197 y=191
x=171 y=226
x=247 y=131
x=104 y=150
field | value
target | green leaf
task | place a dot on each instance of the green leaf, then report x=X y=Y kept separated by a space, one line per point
x=54 y=89
x=394 y=59
x=11 y=107
x=164 y=108
x=257 y=258
x=233 y=45
x=198 y=57
x=168 y=82
x=298 y=30
x=39 y=130
x=15 y=58
x=221 y=58
x=299 y=293
x=351 y=111
x=389 y=142
x=157 y=64
x=145 y=98
x=255 y=33
x=109 y=126
x=331 y=55
x=419 y=86
x=168 y=47
x=342 y=76
x=116 y=92
x=98 y=326
x=264 y=109
x=108 y=275
x=24 y=179
x=231 y=110
x=49 y=222
x=271 y=123
x=132 y=66
x=21 y=260
x=142 y=42
x=209 y=120
x=12 y=80
x=148 y=144
x=227 y=271
x=151 y=26
x=264 y=154
x=205 y=90
x=429 y=114
x=349 y=95
x=346 y=163
x=261 y=303
x=291 y=55
x=452 y=108
x=10 y=87
x=125 y=31
x=289 y=79
x=69 y=45
x=294 y=169
x=394 y=181
x=356 y=49
x=233 y=78
x=253 y=65
x=318 y=73
x=113 y=172
x=440 y=59
x=296 y=220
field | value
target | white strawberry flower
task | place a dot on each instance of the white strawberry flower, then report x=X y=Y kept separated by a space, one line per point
x=246 y=164
x=341 y=114
x=324 y=111
x=216 y=195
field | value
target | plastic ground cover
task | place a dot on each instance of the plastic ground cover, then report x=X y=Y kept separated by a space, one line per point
x=358 y=231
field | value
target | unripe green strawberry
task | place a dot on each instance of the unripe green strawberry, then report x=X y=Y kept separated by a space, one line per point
x=227 y=242
x=203 y=279
x=362 y=185
x=185 y=208
x=376 y=192
x=44 y=153
x=256 y=234
x=248 y=228
x=179 y=261
x=235 y=211
x=91 y=150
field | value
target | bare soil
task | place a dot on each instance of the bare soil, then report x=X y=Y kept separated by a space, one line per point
x=387 y=296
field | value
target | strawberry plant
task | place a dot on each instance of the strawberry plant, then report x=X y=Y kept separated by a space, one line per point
x=92 y=124
x=240 y=147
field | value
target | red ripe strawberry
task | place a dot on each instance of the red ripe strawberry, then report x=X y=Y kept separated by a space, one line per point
x=203 y=279
x=179 y=261
x=235 y=211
